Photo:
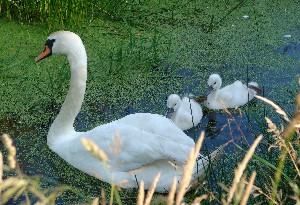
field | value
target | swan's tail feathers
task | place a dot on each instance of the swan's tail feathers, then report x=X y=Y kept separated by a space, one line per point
x=205 y=165
x=254 y=86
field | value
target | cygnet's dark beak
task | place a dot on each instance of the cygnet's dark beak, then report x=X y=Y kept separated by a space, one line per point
x=169 y=112
x=209 y=89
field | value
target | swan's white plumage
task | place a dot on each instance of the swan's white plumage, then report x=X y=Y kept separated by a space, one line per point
x=149 y=142
x=230 y=96
x=187 y=112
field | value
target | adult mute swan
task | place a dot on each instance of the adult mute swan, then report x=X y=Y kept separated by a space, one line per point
x=231 y=96
x=187 y=112
x=149 y=142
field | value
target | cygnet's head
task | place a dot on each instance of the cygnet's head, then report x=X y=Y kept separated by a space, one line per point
x=62 y=42
x=173 y=101
x=214 y=82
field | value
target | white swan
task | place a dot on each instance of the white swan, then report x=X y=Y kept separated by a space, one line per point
x=231 y=96
x=187 y=112
x=149 y=142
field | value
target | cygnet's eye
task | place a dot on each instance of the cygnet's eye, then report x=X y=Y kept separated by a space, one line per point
x=215 y=82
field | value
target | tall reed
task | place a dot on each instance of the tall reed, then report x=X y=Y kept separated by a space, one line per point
x=70 y=11
x=61 y=12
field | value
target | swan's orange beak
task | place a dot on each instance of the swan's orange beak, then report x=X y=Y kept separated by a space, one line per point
x=47 y=52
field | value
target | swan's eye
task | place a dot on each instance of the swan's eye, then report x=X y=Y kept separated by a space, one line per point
x=215 y=82
x=50 y=43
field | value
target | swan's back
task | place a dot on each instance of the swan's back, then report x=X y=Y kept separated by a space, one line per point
x=239 y=94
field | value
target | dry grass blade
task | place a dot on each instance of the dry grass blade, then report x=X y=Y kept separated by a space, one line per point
x=115 y=147
x=8 y=182
x=188 y=170
x=10 y=187
x=103 y=199
x=151 y=190
x=111 y=199
x=248 y=189
x=213 y=158
x=95 y=201
x=172 y=191
x=7 y=141
x=1 y=168
x=291 y=150
x=240 y=169
x=198 y=200
x=277 y=108
x=141 y=195
x=1 y=172
x=272 y=127
x=94 y=149
x=296 y=196
x=288 y=134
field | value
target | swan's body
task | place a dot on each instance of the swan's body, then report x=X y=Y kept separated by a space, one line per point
x=230 y=96
x=149 y=142
x=187 y=112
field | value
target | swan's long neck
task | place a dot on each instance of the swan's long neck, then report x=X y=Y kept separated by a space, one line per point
x=62 y=127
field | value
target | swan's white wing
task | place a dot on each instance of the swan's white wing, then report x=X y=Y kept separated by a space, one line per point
x=238 y=93
x=158 y=125
x=137 y=148
x=184 y=120
x=225 y=97
x=228 y=93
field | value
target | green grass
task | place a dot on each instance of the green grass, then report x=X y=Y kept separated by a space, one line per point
x=144 y=45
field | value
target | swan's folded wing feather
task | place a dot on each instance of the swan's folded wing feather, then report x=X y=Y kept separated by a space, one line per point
x=227 y=93
x=137 y=147
x=158 y=125
x=225 y=97
x=185 y=119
